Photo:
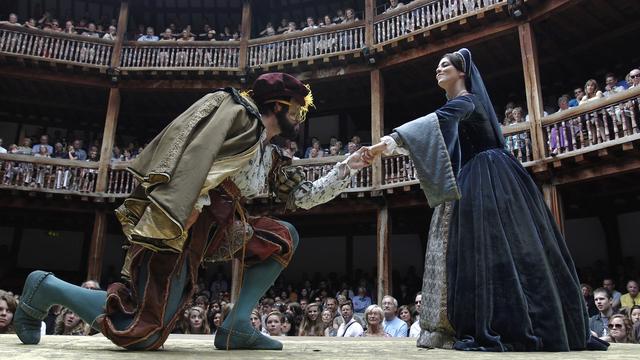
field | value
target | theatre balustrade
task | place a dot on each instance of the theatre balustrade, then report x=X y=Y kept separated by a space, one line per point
x=421 y=15
x=120 y=182
x=55 y=47
x=398 y=171
x=196 y=55
x=594 y=125
x=517 y=138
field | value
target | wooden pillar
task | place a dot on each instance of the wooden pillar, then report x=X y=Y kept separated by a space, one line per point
x=108 y=138
x=383 y=253
x=531 y=70
x=96 y=248
x=120 y=34
x=236 y=279
x=554 y=202
x=246 y=35
x=377 y=121
x=369 y=15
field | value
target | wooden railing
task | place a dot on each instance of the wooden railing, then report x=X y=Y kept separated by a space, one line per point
x=330 y=40
x=37 y=44
x=24 y=172
x=193 y=55
x=398 y=171
x=517 y=138
x=317 y=168
x=593 y=125
x=120 y=182
x=424 y=14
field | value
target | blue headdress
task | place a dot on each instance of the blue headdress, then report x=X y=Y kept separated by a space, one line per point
x=475 y=85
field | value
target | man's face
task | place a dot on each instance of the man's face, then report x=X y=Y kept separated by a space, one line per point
x=418 y=302
x=76 y=144
x=150 y=31
x=288 y=121
x=632 y=288
x=579 y=93
x=603 y=303
x=389 y=308
x=13 y=18
x=331 y=305
x=635 y=77
x=608 y=284
x=44 y=140
x=303 y=304
x=346 y=311
x=610 y=81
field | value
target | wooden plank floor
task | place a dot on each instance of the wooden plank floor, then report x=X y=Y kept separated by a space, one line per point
x=295 y=348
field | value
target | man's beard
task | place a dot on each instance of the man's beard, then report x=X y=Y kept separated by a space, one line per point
x=287 y=129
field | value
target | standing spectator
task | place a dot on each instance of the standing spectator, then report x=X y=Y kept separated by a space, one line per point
x=361 y=301
x=78 y=151
x=392 y=325
x=8 y=307
x=110 y=34
x=91 y=31
x=351 y=148
x=31 y=24
x=327 y=20
x=291 y=28
x=284 y=25
x=609 y=284
x=44 y=142
x=579 y=94
x=226 y=35
x=25 y=148
x=167 y=35
x=394 y=5
x=311 y=323
x=58 y=151
x=13 y=20
x=591 y=91
x=310 y=24
x=328 y=325
x=631 y=298
x=349 y=327
x=69 y=28
x=274 y=323
x=557 y=137
x=350 y=16
x=42 y=152
x=611 y=85
x=620 y=330
x=93 y=155
x=404 y=314
x=331 y=304
x=268 y=30
x=149 y=36
x=339 y=18
x=2 y=150
x=289 y=327
x=414 y=330
x=373 y=316
x=598 y=323
x=216 y=321
x=635 y=320
x=634 y=77
x=186 y=36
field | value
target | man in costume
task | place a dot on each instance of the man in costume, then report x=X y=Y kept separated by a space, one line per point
x=188 y=209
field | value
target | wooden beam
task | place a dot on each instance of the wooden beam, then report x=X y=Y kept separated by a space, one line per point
x=246 y=34
x=120 y=33
x=594 y=171
x=377 y=121
x=369 y=14
x=554 y=202
x=96 y=248
x=533 y=87
x=383 y=254
x=44 y=75
x=108 y=138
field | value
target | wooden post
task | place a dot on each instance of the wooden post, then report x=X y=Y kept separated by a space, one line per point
x=554 y=202
x=383 y=253
x=246 y=35
x=377 y=121
x=369 y=15
x=120 y=34
x=529 y=52
x=108 y=138
x=236 y=280
x=96 y=248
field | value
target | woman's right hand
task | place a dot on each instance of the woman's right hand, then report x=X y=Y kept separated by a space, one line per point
x=371 y=152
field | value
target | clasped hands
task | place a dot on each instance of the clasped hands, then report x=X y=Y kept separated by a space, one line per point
x=364 y=156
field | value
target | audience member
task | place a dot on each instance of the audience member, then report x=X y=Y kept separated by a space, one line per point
x=268 y=30
x=598 y=323
x=149 y=36
x=8 y=307
x=256 y=322
x=68 y=323
x=78 y=152
x=373 y=316
x=631 y=298
x=609 y=284
x=634 y=77
x=587 y=294
x=111 y=33
x=361 y=301
x=350 y=16
x=634 y=314
x=394 y=5
x=91 y=31
x=197 y=321
x=2 y=150
x=612 y=86
x=13 y=20
x=311 y=323
x=414 y=330
x=274 y=323
x=349 y=327
x=620 y=330
x=328 y=326
x=392 y=324
x=591 y=91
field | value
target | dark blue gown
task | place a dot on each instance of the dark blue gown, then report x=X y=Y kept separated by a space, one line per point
x=512 y=284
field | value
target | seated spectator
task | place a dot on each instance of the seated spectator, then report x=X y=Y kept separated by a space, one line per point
x=256 y=322
x=339 y=18
x=110 y=34
x=609 y=284
x=634 y=77
x=68 y=323
x=598 y=323
x=579 y=94
x=361 y=301
x=289 y=327
x=350 y=16
x=186 y=36
x=291 y=28
x=91 y=31
x=620 y=330
x=2 y=150
x=58 y=151
x=414 y=329
x=274 y=323
x=591 y=92
x=328 y=324
x=392 y=324
x=349 y=327
x=612 y=86
x=373 y=316
x=31 y=24
x=327 y=21
x=25 y=148
x=13 y=20
x=44 y=142
x=268 y=30
x=310 y=24
x=42 y=152
x=167 y=35
x=316 y=151
x=284 y=25
x=149 y=36
x=394 y=5
x=94 y=154
x=631 y=298
x=197 y=321
x=69 y=28
x=8 y=307
x=404 y=313
x=311 y=323
x=77 y=149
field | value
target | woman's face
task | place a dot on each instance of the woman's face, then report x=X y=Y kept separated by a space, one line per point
x=255 y=322
x=6 y=316
x=313 y=313
x=274 y=326
x=326 y=317
x=447 y=74
x=516 y=114
x=217 y=320
x=373 y=318
x=71 y=320
x=617 y=329
x=195 y=319
x=585 y=291
x=286 y=326
x=590 y=89
x=215 y=307
x=405 y=315
x=635 y=316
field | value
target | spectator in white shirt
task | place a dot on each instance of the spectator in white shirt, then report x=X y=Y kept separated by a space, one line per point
x=350 y=327
x=414 y=331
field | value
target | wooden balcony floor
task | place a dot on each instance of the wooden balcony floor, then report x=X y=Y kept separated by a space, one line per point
x=199 y=347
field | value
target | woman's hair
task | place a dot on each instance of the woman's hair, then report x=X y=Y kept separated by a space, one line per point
x=298 y=314
x=212 y=324
x=80 y=329
x=628 y=327
x=310 y=327
x=275 y=313
x=405 y=307
x=294 y=326
x=373 y=309
x=456 y=60
x=12 y=305
x=591 y=82
x=205 y=323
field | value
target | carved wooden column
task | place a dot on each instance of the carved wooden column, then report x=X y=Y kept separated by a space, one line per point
x=377 y=121
x=529 y=52
x=383 y=253
x=554 y=202
x=108 y=138
x=245 y=36
x=96 y=248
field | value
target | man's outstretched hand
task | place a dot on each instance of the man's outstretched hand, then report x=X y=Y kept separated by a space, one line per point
x=371 y=152
x=356 y=160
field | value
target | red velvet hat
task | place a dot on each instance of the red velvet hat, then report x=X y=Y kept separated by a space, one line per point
x=279 y=86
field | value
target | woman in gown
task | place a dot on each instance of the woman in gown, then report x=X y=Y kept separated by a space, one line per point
x=498 y=274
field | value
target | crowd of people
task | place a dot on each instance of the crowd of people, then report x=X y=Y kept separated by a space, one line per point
x=105 y=29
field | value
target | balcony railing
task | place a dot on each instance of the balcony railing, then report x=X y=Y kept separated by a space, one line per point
x=398 y=171
x=57 y=47
x=517 y=138
x=194 y=55
x=23 y=172
x=420 y=15
x=331 y=40
x=120 y=182
x=598 y=124
x=317 y=168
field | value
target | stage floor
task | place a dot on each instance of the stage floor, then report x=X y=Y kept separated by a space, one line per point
x=295 y=348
